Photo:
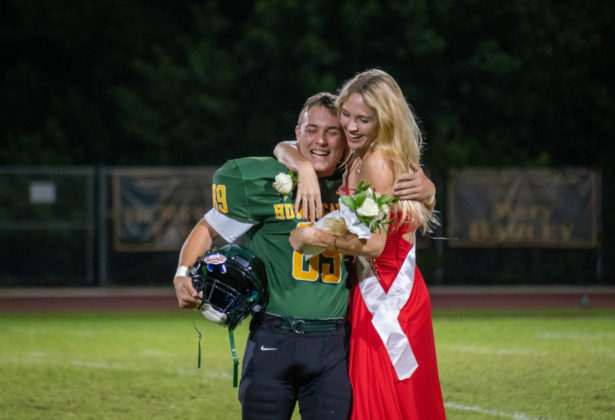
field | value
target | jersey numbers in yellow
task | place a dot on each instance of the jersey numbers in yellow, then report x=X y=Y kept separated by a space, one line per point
x=328 y=265
x=218 y=193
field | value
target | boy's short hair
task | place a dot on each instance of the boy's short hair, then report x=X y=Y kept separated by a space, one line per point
x=324 y=99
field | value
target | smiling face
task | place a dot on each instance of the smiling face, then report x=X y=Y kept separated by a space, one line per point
x=359 y=121
x=320 y=139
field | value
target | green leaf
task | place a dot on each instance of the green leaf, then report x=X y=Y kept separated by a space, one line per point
x=361 y=186
x=359 y=199
x=348 y=202
x=385 y=199
x=364 y=219
x=293 y=176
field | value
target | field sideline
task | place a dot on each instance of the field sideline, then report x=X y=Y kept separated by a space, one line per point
x=163 y=298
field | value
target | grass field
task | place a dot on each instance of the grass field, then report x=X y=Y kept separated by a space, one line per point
x=506 y=364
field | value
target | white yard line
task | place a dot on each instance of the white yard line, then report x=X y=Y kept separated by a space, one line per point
x=204 y=371
x=500 y=351
x=494 y=413
x=37 y=357
x=576 y=336
x=99 y=365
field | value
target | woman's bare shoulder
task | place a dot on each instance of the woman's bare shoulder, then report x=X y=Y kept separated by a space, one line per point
x=376 y=170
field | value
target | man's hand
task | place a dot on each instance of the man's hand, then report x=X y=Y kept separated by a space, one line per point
x=187 y=297
x=414 y=185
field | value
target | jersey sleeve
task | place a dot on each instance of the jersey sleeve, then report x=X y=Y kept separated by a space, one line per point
x=229 y=195
x=231 y=215
x=230 y=229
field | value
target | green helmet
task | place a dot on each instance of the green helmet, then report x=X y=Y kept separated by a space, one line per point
x=233 y=281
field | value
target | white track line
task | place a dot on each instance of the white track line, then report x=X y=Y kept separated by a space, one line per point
x=494 y=413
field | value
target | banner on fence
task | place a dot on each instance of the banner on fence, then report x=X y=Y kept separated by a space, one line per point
x=524 y=208
x=154 y=209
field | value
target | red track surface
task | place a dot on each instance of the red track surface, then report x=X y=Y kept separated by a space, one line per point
x=163 y=299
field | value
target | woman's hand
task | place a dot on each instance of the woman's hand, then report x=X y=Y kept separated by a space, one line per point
x=414 y=186
x=308 y=200
x=300 y=237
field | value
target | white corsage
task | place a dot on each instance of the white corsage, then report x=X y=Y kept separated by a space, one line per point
x=284 y=183
x=368 y=207
x=361 y=213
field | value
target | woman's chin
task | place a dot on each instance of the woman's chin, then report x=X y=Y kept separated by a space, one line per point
x=355 y=144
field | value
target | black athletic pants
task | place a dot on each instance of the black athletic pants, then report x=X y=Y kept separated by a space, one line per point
x=281 y=367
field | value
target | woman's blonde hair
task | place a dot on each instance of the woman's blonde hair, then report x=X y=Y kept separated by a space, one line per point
x=399 y=136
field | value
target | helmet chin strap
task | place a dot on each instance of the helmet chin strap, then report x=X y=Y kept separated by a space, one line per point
x=219 y=318
x=233 y=281
x=198 y=364
x=235 y=358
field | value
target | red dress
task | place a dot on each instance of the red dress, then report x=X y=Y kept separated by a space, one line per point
x=393 y=366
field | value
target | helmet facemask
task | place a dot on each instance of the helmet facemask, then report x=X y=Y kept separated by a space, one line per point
x=233 y=282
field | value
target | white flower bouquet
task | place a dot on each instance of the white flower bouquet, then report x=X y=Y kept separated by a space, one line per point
x=361 y=213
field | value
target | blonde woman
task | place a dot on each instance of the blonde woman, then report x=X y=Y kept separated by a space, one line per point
x=393 y=368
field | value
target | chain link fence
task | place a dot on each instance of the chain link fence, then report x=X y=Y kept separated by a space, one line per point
x=109 y=226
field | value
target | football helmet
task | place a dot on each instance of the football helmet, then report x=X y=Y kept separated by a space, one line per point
x=233 y=282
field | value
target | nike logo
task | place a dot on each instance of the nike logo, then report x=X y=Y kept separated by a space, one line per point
x=263 y=348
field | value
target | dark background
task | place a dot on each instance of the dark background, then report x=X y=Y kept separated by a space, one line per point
x=524 y=83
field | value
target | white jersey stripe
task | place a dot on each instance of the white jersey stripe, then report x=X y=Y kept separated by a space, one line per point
x=230 y=229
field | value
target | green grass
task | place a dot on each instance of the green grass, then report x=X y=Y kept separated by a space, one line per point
x=115 y=366
x=493 y=365
x=538 y=364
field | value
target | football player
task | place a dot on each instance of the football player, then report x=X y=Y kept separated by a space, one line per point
x=297 y=350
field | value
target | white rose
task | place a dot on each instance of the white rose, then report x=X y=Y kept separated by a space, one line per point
x=283 y=183
x=369 y=208
x=384 y=211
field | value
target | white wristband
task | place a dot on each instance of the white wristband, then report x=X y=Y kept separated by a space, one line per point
x=182 y=271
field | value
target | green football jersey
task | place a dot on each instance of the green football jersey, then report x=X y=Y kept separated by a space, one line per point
x=246 y=205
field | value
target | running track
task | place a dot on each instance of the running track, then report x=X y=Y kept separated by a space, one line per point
x=163 y=299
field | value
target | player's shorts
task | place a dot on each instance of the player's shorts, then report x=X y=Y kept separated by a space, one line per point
x=289 y=360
